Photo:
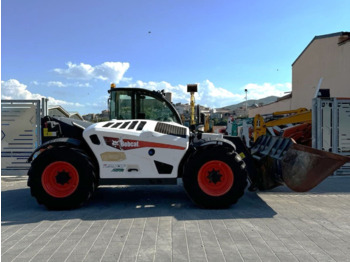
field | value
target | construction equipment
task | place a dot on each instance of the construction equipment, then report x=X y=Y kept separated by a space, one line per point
x=301 y=115
x=192 y=88
x=204 y=119
x=280 y=161
x=134 y=149
x=241 y=127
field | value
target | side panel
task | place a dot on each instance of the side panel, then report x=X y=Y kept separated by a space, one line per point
x=123 y=151
x=341 y=137
x=20 y=134
x=331 y=127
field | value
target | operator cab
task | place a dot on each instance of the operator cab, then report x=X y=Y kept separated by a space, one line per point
x=137 y=103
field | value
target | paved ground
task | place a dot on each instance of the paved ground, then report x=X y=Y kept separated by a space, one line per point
x=160 y=224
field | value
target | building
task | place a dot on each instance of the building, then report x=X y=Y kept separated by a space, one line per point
x=104 y=116
x=282 y=103
x=75 y=115
x=220 y=113
x=240 y=112
x=90 y=117
x=324 y=63
x=182 y=108
x=59 y=111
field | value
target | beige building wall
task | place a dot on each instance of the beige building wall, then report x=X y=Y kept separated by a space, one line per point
x=325 y=57
x=281 y=105
x=322 y=58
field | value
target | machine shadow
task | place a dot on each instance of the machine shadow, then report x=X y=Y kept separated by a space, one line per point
x=115 y=202
x=111 y=203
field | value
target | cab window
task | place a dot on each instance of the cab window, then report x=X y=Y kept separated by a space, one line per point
x=152 y=108
x=123 y=105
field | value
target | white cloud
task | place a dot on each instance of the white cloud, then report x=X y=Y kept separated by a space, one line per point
x=13 y=89
x=107 y=71
x=207 y=95
x=210 y=95
x=179 y=93
x=80 y=84
x=256 y=91
x=56 y=84
x=60 y=84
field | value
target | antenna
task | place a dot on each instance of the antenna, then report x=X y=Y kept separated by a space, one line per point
x=246 y=102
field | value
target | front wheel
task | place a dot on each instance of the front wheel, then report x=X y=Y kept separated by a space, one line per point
x=62 y=178
x=215 y=177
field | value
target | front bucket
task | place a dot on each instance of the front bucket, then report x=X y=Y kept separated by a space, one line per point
x=281 y=161
x=304 y=167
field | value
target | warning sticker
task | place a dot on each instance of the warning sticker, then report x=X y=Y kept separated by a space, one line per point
x=114 y=166
x=117 y=170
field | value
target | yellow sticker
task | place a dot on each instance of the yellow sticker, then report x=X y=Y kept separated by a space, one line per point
x=242 y=155
x=113 y=156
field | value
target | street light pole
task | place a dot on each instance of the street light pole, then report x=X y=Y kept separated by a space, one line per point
x=246 y=103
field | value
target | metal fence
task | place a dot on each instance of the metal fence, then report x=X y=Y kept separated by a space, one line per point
x=20 y=134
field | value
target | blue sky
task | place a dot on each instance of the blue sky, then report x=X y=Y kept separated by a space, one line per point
x=70 y=51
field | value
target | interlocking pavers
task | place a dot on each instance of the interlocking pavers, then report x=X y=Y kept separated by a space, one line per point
x=160 y=224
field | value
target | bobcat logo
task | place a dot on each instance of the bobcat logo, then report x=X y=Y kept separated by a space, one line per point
x=122 y=144
x=116 y=144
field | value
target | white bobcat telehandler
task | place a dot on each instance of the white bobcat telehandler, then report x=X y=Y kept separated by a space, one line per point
x=215 y=169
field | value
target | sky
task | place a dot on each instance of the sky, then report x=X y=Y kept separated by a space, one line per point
x=70 y=51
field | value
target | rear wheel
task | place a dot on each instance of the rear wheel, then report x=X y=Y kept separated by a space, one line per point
x=215 y=177
x=62 y=178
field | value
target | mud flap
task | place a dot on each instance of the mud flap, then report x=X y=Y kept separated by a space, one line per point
x=281 y=161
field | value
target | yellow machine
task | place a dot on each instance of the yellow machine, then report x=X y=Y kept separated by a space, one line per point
x=192 y=88
x=201 y=117
x=204 y=118
x=300 y=115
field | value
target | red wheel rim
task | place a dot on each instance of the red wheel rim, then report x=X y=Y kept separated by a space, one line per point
x=60 y=179
x=215 y=178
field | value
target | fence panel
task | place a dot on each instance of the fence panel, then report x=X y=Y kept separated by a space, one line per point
x=20 y=134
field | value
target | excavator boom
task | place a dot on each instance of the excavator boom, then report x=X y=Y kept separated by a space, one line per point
x=300 y=115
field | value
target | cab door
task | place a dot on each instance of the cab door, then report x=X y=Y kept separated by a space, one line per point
x=136 y=103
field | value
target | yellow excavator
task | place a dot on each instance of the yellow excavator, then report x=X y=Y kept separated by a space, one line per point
x=300 y=115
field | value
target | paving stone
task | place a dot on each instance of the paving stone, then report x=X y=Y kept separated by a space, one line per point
x=160 y=224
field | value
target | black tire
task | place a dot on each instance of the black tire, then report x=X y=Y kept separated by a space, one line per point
x=207 y=177
x=94 y=165
x=62 y=178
